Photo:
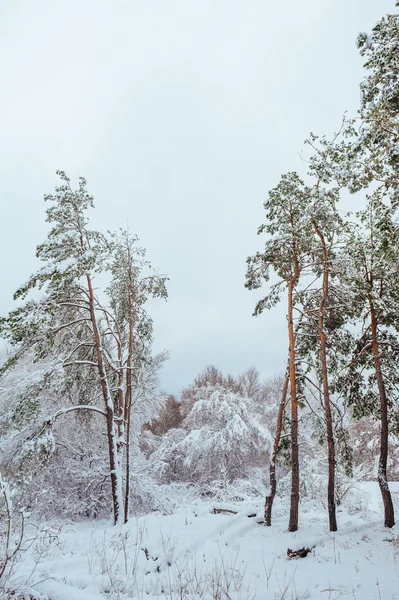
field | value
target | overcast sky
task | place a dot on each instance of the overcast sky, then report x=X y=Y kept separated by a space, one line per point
x=181 y=115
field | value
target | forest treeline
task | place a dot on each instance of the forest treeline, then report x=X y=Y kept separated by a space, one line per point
x=339 y=272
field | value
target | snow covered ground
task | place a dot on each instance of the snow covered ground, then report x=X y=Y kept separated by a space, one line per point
x=196 y=554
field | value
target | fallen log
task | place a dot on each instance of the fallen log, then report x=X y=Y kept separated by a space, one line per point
x=300 y=553
x=226 y=511
x=223 y=511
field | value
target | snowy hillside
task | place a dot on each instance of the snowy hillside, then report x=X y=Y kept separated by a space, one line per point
x=197 y=554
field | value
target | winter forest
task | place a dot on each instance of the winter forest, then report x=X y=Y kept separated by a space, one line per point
x=239 y=486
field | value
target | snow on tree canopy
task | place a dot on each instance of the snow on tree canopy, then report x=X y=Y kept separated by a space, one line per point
x=221 y=431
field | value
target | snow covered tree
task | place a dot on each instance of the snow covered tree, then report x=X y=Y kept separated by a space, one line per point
x=377 y=148
x=169 y=417
x=366 y=285
x=250 y=384
x=325 y=223
x=12 y=531
x=371 y=267
x=209 y=376
x=217 y=441
x=48 y=443
x=287 y=253
x=131 y=331
x=365 y=153
x=223 y=432
x=320 y=301
x=73 y=322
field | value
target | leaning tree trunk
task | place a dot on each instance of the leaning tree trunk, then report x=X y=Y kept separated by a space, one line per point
x=326 y=392
x=389 y=515
x=115 y=472
x=294 y=506
x=272 y=471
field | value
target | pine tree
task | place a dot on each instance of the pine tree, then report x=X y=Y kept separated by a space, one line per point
x=132 y=284
x=68 y=314
x=287 y=253
x=377 y=154
x=370 y=270
x=74 y=323
x=320 y=300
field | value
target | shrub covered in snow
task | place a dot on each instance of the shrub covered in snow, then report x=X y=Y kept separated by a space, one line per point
x=221 y=439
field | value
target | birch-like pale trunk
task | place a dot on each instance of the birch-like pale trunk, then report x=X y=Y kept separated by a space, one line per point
x=112 y=432
x=128 y=395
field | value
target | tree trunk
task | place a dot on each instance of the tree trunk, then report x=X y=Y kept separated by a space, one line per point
x=127 y=471
x=128 y=398
x=326 y=392
x=121 y=407
x=330 y=438
x=389 y=516
x=116 y=483
x=272 y=471
x=294 y=507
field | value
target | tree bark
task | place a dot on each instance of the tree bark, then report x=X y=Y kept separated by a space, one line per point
x=116 y=484
x=128 y=398
x=294 y=506
x=326 y=392
x=121 y=407
x=272 y=470
x=389 y=515
x=127 y=471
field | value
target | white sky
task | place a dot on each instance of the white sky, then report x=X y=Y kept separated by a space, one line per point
x=181 y=114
